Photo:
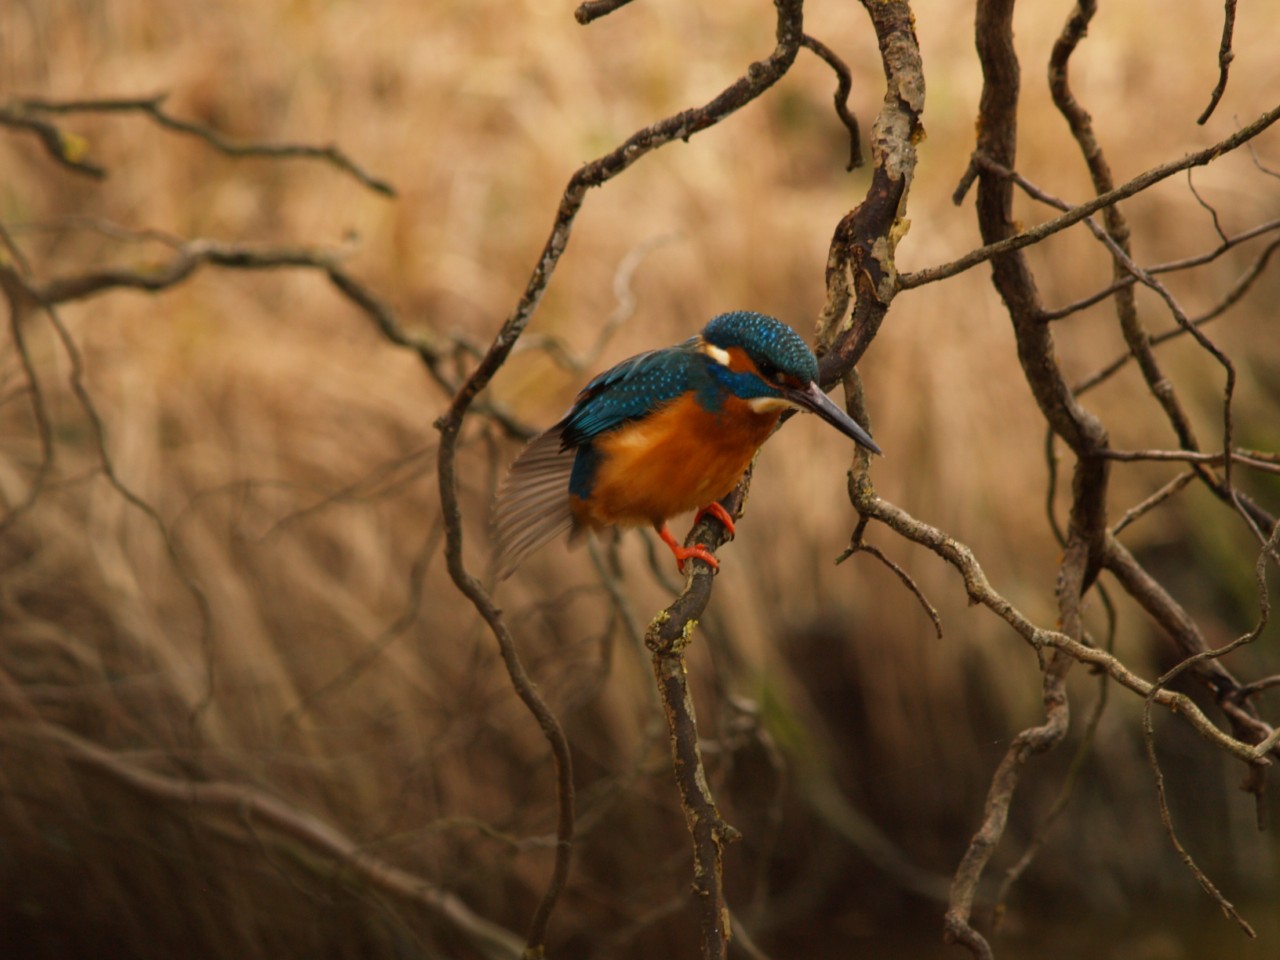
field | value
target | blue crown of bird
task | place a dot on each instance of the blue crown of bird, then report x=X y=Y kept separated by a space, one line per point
x=660 y=434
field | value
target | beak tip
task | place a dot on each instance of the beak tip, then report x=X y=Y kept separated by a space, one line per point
x=816 y=401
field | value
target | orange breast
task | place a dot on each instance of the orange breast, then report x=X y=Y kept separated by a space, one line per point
x=677 y=460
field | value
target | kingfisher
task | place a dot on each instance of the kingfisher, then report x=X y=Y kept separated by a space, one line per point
x=660 y=434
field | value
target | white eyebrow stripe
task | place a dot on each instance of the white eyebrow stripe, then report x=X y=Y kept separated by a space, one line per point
x=715 y=353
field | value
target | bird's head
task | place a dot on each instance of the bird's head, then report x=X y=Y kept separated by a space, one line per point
x=764 y=362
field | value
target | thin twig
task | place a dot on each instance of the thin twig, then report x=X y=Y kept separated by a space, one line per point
x=1225 y=56
x=1166 y=818
x=153 y=108
x=1078 y=760
x=844 y=85
x=979 y=590
x=1173 y=266
x=1264 y=615
x=1260 y=460
x=591 y=10
x=1143 y=181
x=1138 y=510
x=858 y=545
x=1254 y=515
x=14 y=287
x=66 y=149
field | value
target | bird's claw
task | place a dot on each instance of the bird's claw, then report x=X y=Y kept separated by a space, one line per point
x=683 y=553
x=696 y=552
x=720 y=513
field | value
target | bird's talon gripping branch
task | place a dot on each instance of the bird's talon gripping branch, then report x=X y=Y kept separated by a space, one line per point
x=720 y=513
x=661 y=434
x=683 y=553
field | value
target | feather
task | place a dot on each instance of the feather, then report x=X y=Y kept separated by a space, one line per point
x=636 y=387
x=533 y=502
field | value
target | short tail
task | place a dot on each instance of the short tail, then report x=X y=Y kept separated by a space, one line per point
x=533 y=502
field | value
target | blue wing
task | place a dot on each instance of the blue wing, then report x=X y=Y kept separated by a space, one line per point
x=633 y=389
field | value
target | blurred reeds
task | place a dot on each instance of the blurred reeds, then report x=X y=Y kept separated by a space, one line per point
x=287 y=449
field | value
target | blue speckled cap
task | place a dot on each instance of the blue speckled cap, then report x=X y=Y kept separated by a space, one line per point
x=763 y=337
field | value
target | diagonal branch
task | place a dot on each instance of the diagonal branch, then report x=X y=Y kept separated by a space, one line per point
x=1025 y=238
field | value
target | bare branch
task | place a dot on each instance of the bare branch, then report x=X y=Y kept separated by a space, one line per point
x=1187 y=637
x=1083 y=751
x=1225 y=56
x=1143 y=181
x=67 y=149
x=1187 y=263
x=1150 y=503
x=1264 y=615
x=19 y=310
x=153 y=109
x=844 y=84
x=858 y=545
x=595 y=9
x=980 y=591
x=668 y=635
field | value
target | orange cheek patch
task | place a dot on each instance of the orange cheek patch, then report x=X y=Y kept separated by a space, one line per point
x=739 y=362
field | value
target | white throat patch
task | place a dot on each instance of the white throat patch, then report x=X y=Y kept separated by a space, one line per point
x=768 y=404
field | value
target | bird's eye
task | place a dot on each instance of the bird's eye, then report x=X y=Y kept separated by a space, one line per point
x=769 y=371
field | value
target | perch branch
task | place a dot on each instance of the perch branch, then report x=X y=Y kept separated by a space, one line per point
x=759 y=77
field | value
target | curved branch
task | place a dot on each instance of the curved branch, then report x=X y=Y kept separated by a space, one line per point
x=862 y=276
x=153 y=109
x=979 y=590
x=844 y=84
x=65 y=149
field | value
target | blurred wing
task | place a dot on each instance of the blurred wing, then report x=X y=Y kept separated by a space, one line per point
x=533 y=502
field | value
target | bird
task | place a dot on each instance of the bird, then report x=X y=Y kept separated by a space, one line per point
x=660 y=434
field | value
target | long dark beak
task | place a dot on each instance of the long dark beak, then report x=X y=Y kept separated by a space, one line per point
x=812 y=398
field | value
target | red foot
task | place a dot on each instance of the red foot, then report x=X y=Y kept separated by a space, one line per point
x=720 y=513
x=683 y=553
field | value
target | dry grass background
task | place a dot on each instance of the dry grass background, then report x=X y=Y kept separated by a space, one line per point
x=288 y=449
